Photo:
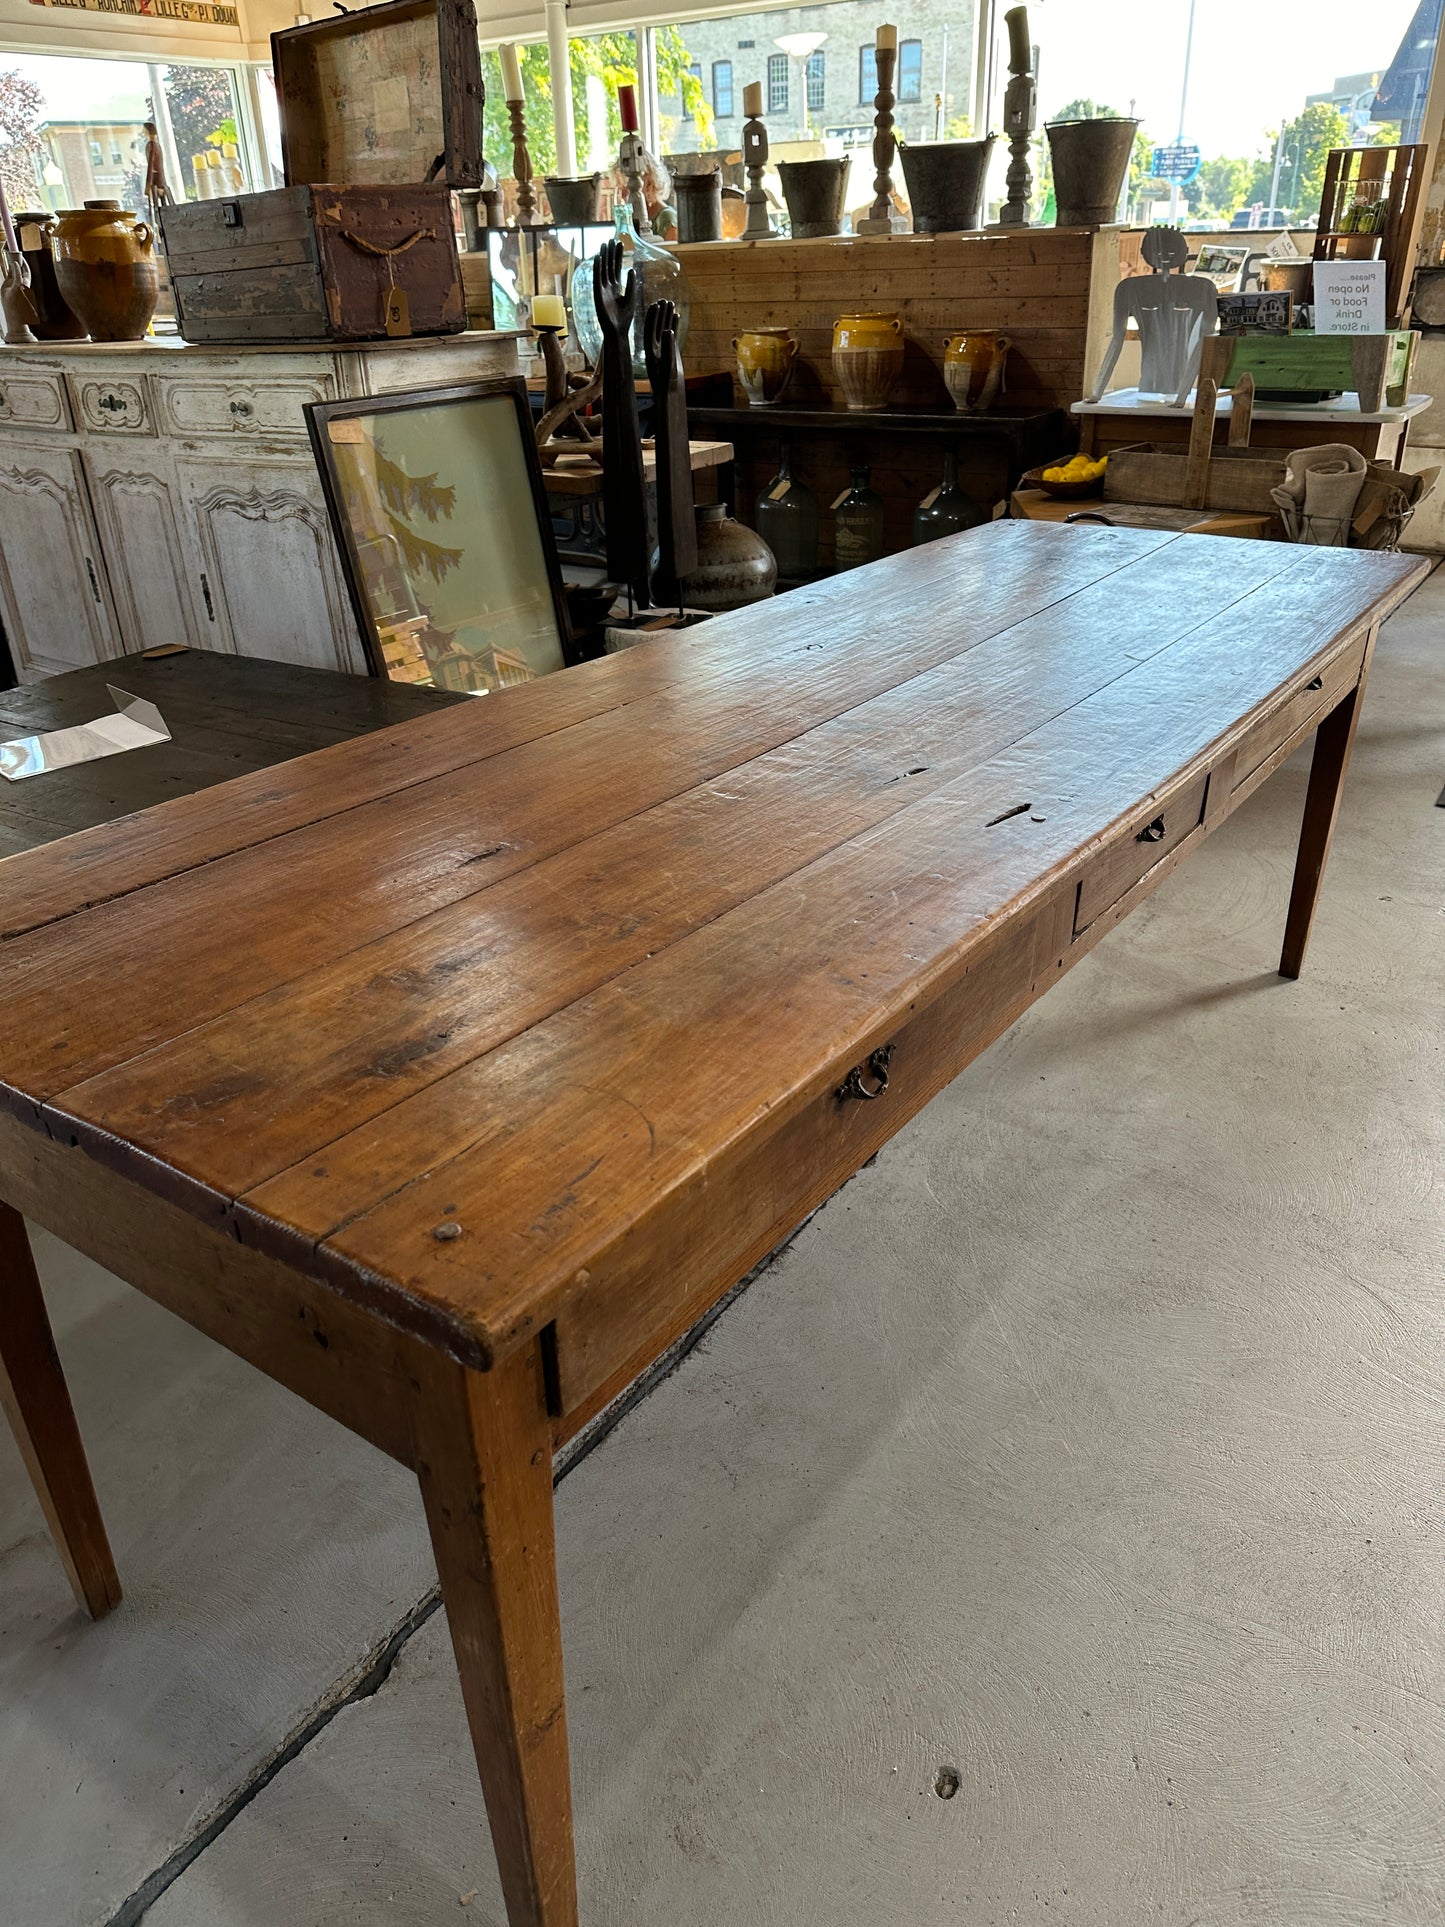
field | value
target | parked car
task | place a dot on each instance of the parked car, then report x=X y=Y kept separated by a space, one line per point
x=1266 y=217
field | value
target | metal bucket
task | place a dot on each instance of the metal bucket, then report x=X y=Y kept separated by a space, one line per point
x=699 y=205
x=814 y=193
x=572 y=198
x=1091 y=162
x=945 y=183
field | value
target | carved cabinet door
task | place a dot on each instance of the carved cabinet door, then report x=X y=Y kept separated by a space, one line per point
x=54 y=598
x=138 y=511
x=269 y=577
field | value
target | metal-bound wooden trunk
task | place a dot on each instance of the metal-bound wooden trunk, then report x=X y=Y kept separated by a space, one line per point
x=318 y=263
x=381 y=117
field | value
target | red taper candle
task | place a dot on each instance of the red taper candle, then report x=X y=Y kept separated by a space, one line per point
x=627 y=107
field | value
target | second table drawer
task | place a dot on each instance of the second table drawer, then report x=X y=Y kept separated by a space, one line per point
x=1135 y=850
x=1318 y=697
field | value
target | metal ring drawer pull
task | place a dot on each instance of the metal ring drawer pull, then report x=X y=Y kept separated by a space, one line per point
x=1152 y=832
x=855 y=1084
x=1318 y=683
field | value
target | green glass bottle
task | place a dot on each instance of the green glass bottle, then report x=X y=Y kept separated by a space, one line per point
x=787 y=521
x=858 y=524
x=947 y=509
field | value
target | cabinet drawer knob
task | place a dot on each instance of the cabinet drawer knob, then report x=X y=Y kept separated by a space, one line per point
x=868 y=1080
x=1152 y=832
x=1318 y=683
x=241 y=410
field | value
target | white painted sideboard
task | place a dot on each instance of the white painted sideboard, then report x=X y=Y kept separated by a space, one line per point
x=156 y=492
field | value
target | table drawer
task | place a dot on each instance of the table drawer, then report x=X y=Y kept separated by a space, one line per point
x=267 y=408
x=1317 y=698
x=732 y=1216
x=1145 y=841
x=33 y=398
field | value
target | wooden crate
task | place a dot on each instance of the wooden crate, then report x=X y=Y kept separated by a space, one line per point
x=1155 y=473
x=381 y=116
x=1049 y=289
x=316 y=264
x=1317 y=365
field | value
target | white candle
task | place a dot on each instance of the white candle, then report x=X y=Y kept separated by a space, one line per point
x=753 y=97
x=511 y=71
x=549 y=311
x=887 y=41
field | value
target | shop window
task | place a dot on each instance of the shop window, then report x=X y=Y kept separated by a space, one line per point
x=816 y=83
x=722 y=88
x=777 y=83
x=1234 y=156
x=867 y=74
x=910 y=70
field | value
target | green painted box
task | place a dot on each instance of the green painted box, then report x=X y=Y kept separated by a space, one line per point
x=1309 y=367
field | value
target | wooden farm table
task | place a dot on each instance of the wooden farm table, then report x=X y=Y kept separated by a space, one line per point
x=449 y=1075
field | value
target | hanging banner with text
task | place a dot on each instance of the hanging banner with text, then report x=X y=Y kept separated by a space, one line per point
x=198 y=13
x=1349 y=297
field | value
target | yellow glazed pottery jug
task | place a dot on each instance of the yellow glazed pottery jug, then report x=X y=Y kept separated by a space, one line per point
x=973 y=369
x=867 y=357
x=105 y=267
x=765 y=358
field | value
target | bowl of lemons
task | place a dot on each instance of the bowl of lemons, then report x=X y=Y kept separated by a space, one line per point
x=1074 y=480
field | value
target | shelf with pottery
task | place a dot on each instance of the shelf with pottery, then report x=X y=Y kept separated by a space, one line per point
x=153 y=491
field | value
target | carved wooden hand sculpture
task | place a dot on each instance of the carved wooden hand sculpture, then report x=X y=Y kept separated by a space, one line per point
x=676 y=527
x=624 y=489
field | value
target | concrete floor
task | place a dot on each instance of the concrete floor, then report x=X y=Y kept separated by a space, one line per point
x=1089 y=1446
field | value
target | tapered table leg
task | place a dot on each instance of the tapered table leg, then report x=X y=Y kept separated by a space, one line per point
x=485 y=1465
x=36 y=1401
x=1334 y=740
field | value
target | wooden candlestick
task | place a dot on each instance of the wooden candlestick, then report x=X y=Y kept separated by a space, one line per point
x=1020 y=113
x=630 y=158
x=755 y=156
x=522 y=164
x=879 y=218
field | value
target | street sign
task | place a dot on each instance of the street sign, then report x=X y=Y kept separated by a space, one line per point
x=1178 y=163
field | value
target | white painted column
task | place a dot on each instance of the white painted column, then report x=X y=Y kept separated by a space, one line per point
x=558 y=55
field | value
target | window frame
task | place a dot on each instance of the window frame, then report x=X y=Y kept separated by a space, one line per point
x=867 y=70
x=815 y=81
x=722 y=70
x=779 y=87
x=906 y=99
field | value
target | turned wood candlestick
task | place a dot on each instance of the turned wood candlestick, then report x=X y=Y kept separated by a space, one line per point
x=879 y=218
x=1020 y=115
x=522 y=164
x=755 y=157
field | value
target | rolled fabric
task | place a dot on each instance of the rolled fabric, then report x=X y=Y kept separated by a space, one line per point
x=1317 y=498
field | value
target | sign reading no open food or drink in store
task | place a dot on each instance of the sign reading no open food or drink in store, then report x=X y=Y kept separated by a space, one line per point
x=1349 y=297
x=202 y=13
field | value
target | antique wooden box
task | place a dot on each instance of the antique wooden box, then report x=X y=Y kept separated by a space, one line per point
x=381 y=117
x=353 y=263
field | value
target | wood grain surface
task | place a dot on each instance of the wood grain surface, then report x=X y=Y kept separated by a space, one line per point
x=551 y=964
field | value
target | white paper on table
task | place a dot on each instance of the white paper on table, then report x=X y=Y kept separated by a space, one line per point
x=1349 y=297
x=136 y=725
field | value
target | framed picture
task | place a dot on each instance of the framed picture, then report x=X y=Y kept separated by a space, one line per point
x=438 y=508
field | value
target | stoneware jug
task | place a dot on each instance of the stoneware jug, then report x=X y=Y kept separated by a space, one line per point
x=973 y=369
x=734 y=566
x=765 y=358
x=105 y=268
x=867 y=357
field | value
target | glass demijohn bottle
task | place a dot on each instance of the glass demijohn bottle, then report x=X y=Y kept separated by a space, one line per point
x=858 y=523
x=947 y=509
x=787 y=520
x=659 y=278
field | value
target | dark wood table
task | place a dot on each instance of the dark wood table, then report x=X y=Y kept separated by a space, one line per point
x=228 y=716
x=447 y=1076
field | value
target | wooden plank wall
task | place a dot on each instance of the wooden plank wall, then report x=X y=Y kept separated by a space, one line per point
x=1046 y=287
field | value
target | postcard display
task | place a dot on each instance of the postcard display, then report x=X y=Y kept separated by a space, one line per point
x=381 y=118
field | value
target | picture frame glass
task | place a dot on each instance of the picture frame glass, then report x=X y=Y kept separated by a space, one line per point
x=446 y=550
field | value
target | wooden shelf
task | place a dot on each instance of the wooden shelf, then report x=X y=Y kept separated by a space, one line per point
x=1032 y=435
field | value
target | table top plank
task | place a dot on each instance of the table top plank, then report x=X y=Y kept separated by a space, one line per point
x=574 y=1116
x=551 y=1148
x=240 y=1097
x=380 y=867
